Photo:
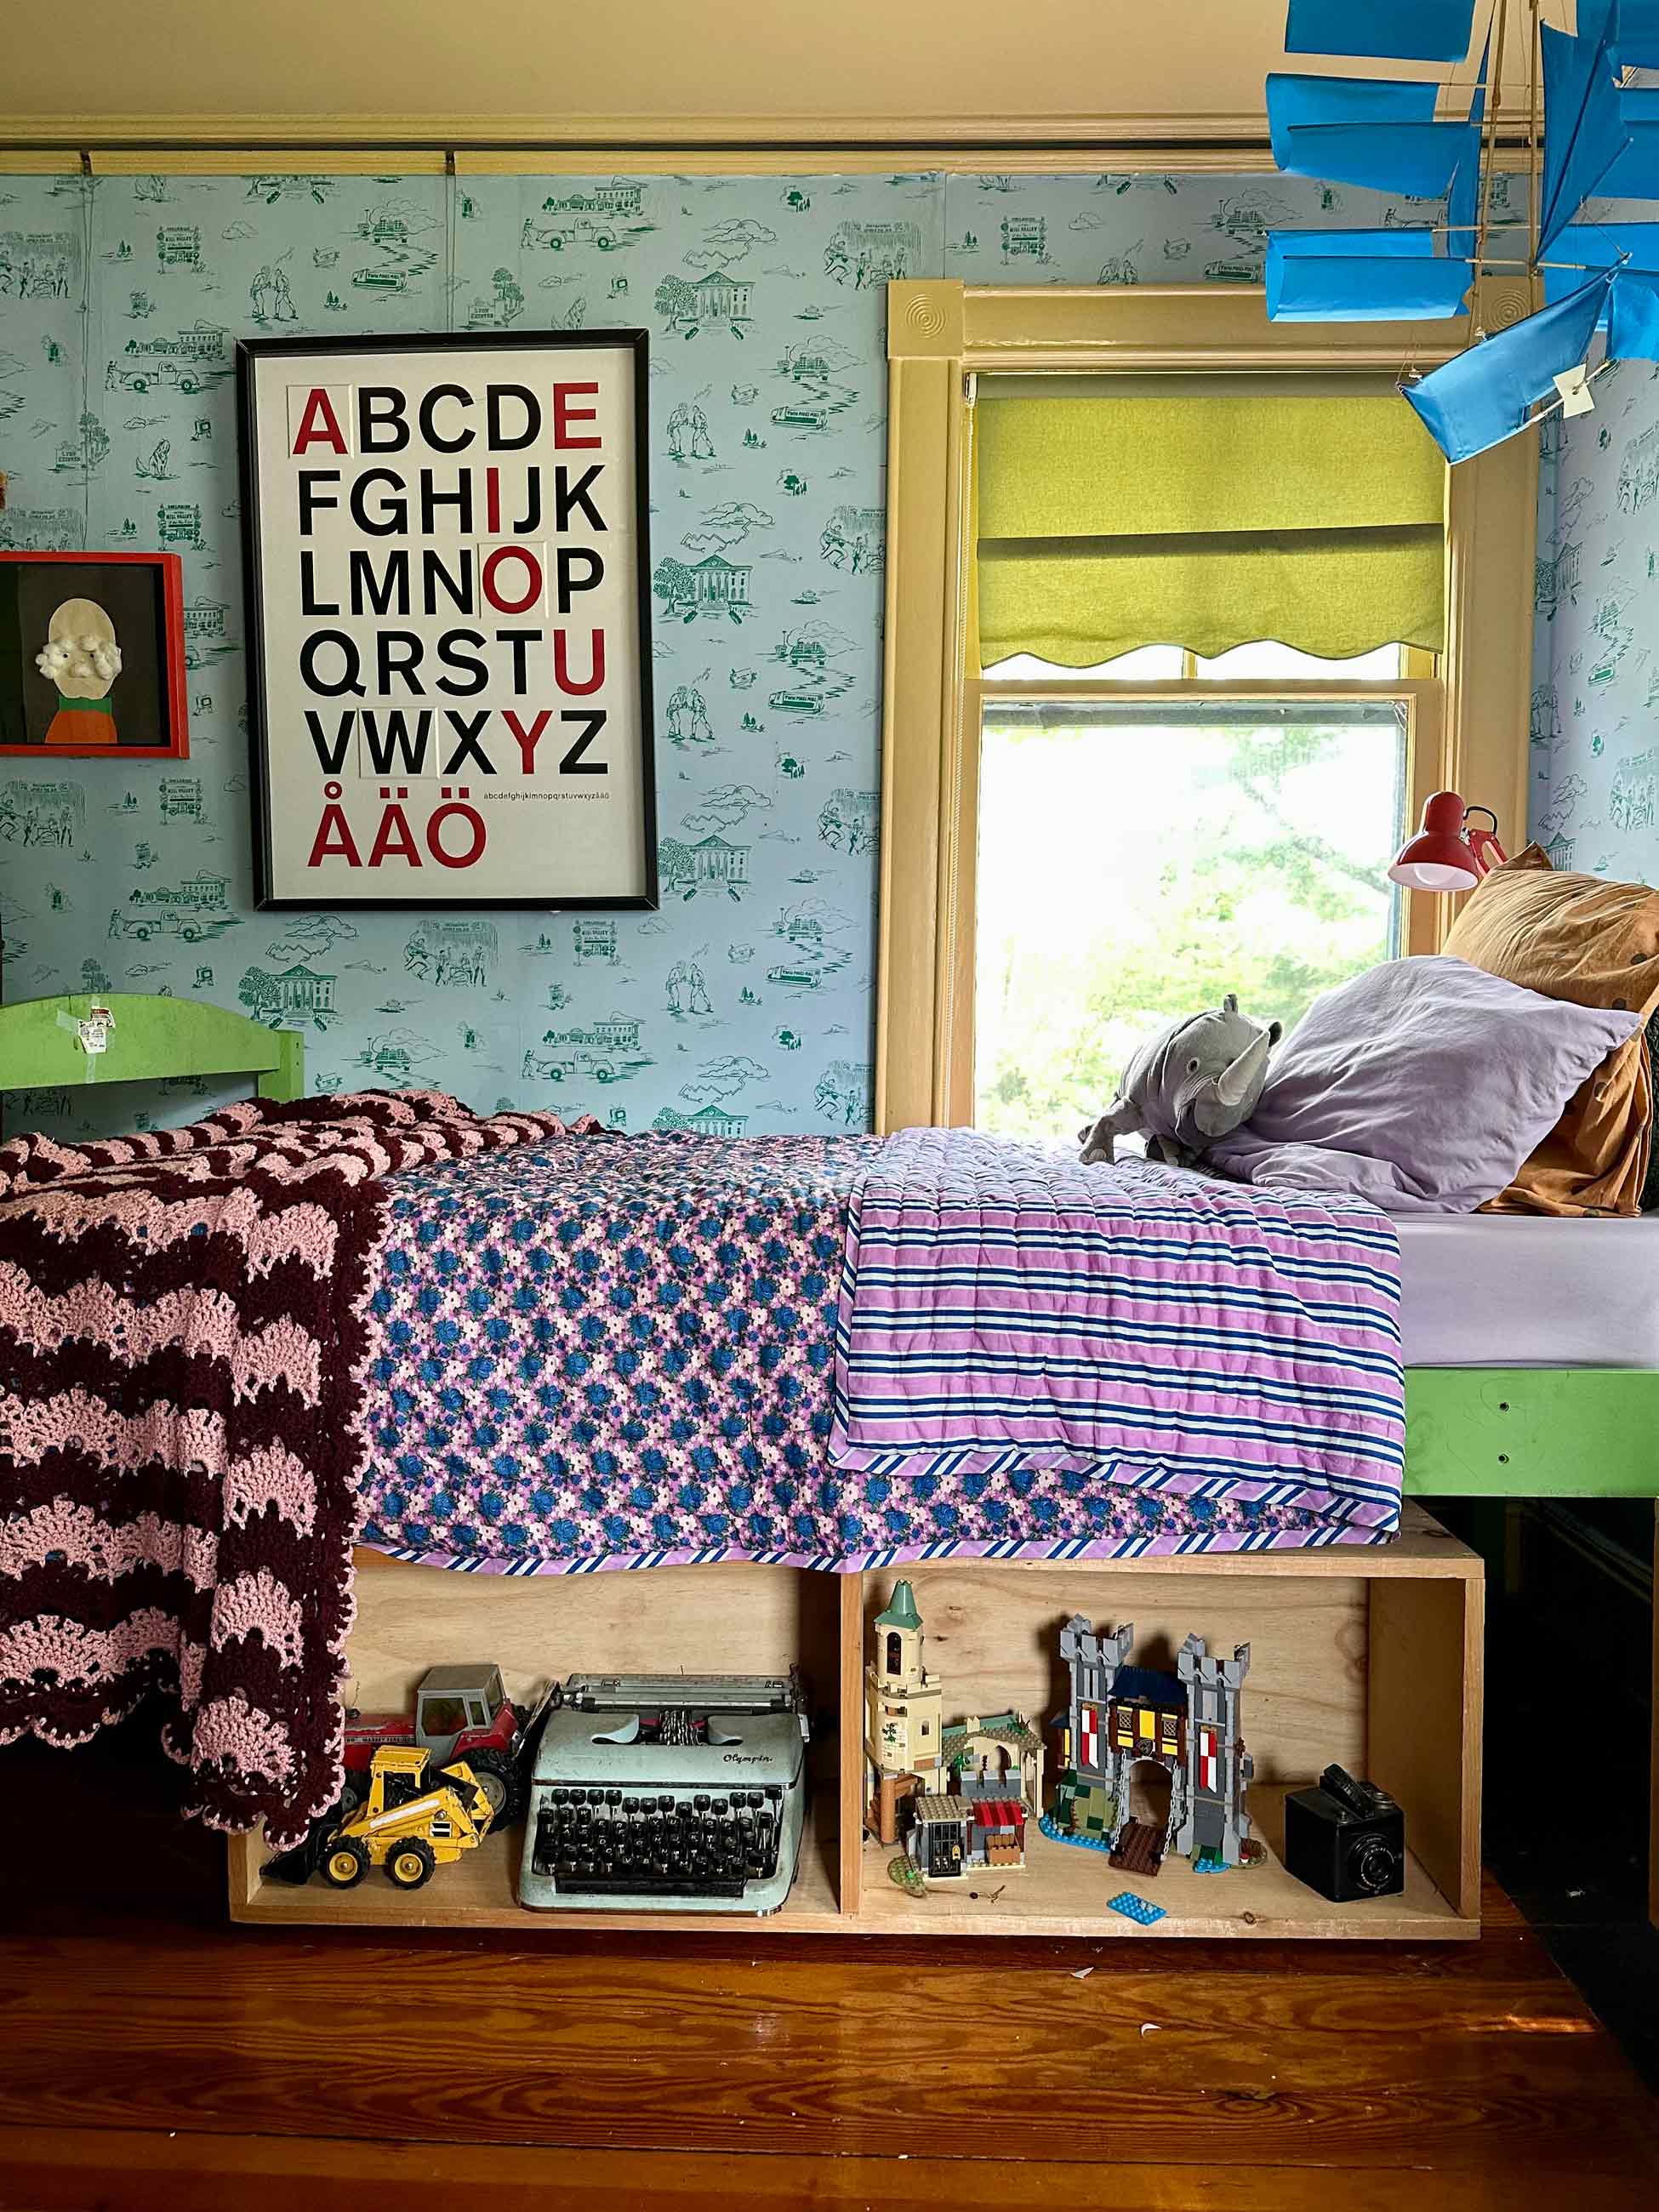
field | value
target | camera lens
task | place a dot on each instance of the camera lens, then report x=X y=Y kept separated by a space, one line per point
x=1374 y=1867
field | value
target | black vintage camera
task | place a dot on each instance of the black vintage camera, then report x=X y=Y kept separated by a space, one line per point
x=1345 y=1838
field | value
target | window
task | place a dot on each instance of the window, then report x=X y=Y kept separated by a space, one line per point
x=895 y=1651
x=1208 y=819
x=1284 y=779
x=1189 y=846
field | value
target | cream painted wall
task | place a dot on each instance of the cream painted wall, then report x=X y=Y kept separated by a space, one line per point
x=741 y=72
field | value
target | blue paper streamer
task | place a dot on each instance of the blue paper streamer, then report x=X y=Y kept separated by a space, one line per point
x=1376 y=131
x=1584 y=133
x=1636 y=33
x=1361 y=276
x=1634 y=173
x=1403 y=30
x=1597 y=245
x=1633 y=316
x=1481 y=398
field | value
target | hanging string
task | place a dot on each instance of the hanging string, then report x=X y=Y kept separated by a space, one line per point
x=1489 y=140
x=89 y=188
x=451 y=196
x=1535 y=142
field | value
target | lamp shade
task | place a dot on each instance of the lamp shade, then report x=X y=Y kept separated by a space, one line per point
x=1438 y=859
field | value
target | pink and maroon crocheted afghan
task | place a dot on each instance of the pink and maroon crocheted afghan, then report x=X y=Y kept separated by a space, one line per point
x=182 y=1347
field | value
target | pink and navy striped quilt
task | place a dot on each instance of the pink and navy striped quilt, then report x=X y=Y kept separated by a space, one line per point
x=1013 y=1323
x=667 y=1350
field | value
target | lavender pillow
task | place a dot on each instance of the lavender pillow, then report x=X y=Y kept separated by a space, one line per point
x=1422 y=1085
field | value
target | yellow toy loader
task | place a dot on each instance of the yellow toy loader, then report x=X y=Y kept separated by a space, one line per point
x=409 y=1824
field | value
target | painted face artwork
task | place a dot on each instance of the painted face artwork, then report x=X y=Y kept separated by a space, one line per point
x=82 y=658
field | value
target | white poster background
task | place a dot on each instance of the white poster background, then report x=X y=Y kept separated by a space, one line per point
x=551 y=833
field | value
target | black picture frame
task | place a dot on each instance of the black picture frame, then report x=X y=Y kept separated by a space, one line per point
x=250 y=352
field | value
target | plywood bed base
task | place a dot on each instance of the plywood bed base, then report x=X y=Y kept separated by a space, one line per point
x=1371 y=1655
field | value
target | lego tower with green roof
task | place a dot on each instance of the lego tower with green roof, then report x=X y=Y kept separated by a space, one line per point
x=902 y=1715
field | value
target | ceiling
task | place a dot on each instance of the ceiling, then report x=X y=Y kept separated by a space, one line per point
x=710 y=73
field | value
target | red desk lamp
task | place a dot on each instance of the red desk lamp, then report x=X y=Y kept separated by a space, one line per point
x=1448 y=853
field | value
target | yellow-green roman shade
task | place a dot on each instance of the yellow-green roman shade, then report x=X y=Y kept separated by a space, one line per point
x=1205 y=519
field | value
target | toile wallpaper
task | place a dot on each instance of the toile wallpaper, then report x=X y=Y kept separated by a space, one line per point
x=1595 y=687
x=746 y=1002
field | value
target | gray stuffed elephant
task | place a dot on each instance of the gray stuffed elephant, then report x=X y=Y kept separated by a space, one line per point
x=1192 y=1082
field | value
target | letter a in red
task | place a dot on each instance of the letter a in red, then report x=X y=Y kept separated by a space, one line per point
x=318 y=424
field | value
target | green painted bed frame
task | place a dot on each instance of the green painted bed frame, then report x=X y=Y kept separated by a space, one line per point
x=150 y=1040
x=1470 y=1432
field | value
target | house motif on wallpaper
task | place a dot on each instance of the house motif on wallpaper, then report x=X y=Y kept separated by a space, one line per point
x=721 y=297
x=707 y=1121
x=195 y=908
x=452 y=954
x=206 y=344
x=1561 y=850
x=297 y=992
x=711 y=865
x=608 y=1050
x=205 y=631
x=622 y=196
x=712 y=586
x=692 y=306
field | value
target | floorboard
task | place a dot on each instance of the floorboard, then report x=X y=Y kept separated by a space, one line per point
x=189 y=2055
x=253 y=2174
x=156 y=2057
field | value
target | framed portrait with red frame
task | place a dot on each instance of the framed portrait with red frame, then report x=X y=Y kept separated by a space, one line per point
x=92 y=656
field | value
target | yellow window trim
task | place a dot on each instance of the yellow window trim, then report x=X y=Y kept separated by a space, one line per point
x=1467 y=720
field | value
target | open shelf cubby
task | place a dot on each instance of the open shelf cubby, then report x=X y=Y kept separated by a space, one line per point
x=1368 y=1656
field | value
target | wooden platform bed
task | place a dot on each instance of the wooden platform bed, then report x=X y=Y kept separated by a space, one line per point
x=1368 y=1655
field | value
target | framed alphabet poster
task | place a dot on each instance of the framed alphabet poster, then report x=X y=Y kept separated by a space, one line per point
x=448 y=597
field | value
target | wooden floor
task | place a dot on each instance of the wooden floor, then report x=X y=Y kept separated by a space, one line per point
x=196 y=2066
x=151 y=2055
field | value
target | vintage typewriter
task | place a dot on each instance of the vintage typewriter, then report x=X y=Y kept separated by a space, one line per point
x=667 y=1793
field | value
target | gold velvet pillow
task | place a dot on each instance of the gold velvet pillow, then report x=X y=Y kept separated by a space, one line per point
x=1596 y=944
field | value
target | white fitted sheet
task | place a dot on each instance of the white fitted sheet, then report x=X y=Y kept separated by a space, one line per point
x=1516 y=1290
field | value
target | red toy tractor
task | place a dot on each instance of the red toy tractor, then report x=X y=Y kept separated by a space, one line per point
x=460 y=1713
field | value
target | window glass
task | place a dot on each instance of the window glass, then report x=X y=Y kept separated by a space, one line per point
x=1147 y=664
x=1136 y=862
x=1268 y=659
